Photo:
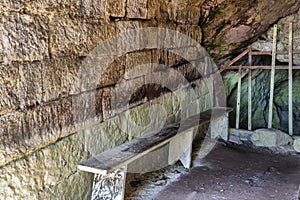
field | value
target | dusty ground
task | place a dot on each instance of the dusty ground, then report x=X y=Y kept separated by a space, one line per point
x=226 y=173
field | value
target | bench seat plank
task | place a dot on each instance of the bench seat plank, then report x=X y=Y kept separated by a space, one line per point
x=129 y=151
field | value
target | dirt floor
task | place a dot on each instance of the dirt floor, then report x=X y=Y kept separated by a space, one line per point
x=228 y=172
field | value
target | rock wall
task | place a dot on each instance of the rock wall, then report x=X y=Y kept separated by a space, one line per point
x=260 y=103
x=266 y=40
x=230 y=25
x=46 y=127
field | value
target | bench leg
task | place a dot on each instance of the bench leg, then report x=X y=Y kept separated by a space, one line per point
x=110 y=186
x=219 y=127
x=180 y=148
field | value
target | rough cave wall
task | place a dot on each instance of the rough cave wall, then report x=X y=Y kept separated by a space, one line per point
x=43 y=44
x=261 y=83
x=229 y=26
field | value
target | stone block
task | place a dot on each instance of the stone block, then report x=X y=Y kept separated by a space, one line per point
x=11 y=5
x=113 y=73
x=75 y=8
x=185 y=12
x=167 y=35
x=127 y=94
x=162 y=110
x=103 y=136
x=91 y=8
x=296 y=145
x=10 y=135
x=189 y=71
x=192 y=53
x=136 y=64
x=128 y=39
x=31 y=82
x=80 y=182
x=116 y=8
x=242 y=135
x=136 y=9
x=24 y=132
x=138 y=121
x=40 y=126
x=178 y=11
x=9 y=88
x=50 y=6
x=270 y=138
x=43 y=173
x=161 y=57
x=69 y=37
x=148 y=35
x=158 y=9
x=60 y=77
x=87 y=109
x=24 y=37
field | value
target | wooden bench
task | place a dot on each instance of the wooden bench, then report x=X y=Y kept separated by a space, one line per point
x=150 y=152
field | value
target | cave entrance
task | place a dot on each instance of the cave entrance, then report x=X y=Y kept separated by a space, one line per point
x=287 y=113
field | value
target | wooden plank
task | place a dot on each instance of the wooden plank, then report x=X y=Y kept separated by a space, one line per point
x=262 y=67
x=234 y=60
x=291 y=79
x=260 y=53
x=270 y=118
x=238 y=99
x=250 y=91
x=132 y=150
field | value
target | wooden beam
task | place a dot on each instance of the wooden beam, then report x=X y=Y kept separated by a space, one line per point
x=261 y=67
x=234 y=60
x=270 y=118
x=261 y=53
x=238 y=99
x=291 y=79
x=250 y=91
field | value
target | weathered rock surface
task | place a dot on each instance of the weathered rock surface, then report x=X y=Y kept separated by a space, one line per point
x=230 y=25
x=260 y=99
x=296 y=145
x=239 y=135
x=23 y=37
x=270 y=138
x=265 y=43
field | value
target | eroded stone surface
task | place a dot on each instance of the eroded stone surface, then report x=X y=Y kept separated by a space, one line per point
x=24 y=37
x=137 y=9
x=9 y=88
x=76 y=37
x=270 y=138
x=43 y=173
x=11 y=5
x=228 y=26
x=116 y=8
x=296 y=145
x=265 y=44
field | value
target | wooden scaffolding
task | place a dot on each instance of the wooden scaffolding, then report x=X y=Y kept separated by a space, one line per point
x=273 y=67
